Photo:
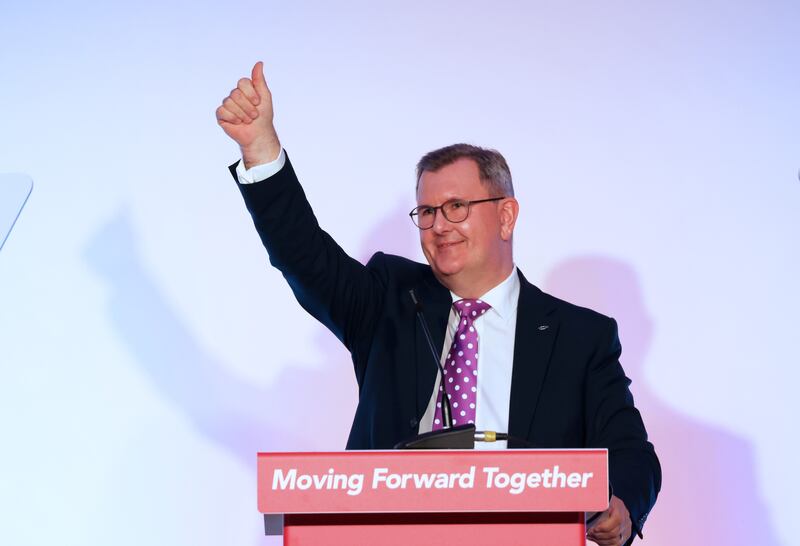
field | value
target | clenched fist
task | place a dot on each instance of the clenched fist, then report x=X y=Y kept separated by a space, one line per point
x=246 y=116
x=613 y=527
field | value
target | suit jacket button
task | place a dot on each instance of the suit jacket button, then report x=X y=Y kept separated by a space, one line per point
x=413 y=423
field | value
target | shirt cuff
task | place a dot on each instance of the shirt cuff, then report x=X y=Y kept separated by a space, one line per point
x=261 y=172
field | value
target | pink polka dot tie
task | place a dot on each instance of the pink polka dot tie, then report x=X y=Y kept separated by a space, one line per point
x=461 y=366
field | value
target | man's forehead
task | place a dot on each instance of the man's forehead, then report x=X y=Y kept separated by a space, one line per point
x=458 y=179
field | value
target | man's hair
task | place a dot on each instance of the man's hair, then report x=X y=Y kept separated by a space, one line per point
x=492 y=166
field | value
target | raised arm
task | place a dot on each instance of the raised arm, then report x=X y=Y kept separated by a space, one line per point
x=336 y=289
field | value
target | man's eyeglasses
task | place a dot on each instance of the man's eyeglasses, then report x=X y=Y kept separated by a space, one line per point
x=455 y=210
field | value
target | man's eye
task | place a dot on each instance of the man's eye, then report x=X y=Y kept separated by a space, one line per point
x=455 y=205
x=427 y=211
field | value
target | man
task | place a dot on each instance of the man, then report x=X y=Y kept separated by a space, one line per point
x=550 y=371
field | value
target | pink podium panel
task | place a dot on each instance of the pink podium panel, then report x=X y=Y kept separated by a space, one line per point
x=442 y=496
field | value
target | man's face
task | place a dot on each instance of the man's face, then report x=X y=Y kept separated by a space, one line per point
x=472 y=248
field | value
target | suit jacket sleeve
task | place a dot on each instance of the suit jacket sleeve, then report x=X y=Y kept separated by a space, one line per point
x=336 y=289
x=615 y=423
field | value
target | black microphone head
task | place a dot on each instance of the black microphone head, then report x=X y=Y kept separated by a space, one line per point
x=417 y=303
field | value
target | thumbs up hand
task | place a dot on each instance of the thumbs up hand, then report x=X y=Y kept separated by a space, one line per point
x=246 y=116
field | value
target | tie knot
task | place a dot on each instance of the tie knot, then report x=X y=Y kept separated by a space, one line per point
x=470 y=308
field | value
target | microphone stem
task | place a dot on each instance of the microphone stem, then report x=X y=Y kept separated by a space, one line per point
x=447 y=418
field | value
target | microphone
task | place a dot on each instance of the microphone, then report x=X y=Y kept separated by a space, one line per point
x=447 y=412
x=449 y=437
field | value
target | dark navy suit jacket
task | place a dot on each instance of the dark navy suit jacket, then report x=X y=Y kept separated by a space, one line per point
x=568 y=389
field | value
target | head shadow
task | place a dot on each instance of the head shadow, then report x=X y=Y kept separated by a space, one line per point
x=710 y=492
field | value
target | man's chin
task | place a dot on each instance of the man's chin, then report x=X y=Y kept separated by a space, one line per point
x=447 y=270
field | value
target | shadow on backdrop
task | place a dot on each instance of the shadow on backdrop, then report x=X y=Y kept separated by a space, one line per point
x=709 y=493
x=237 y=416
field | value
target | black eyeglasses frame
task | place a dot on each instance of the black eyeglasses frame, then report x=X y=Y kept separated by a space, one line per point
x=415 y=211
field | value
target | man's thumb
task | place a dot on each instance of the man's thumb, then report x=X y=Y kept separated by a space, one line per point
x=259 y=82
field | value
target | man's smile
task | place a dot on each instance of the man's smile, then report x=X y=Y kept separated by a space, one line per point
x=448 y=244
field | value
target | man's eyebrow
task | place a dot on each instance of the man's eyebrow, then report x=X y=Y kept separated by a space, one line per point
x=449 y=199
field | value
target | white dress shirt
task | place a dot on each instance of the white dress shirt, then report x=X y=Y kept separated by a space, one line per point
x=261 y=172
x=496 y=330
x=496 y=334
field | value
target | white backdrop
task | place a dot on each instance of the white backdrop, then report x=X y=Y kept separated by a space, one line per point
x=148 y=351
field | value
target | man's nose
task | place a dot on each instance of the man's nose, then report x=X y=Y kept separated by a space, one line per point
x=440 y=223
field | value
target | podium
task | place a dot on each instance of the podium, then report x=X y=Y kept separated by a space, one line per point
x=442 y=497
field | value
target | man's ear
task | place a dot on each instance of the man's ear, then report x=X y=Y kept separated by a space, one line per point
x=509 y=210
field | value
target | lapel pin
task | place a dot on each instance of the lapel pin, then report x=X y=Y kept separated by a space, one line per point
x=543 y=327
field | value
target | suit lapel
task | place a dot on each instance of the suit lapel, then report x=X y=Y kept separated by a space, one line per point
x=537 y=328
x=436 y=302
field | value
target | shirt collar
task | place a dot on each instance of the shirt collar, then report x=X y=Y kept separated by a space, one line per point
x=503 y=298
